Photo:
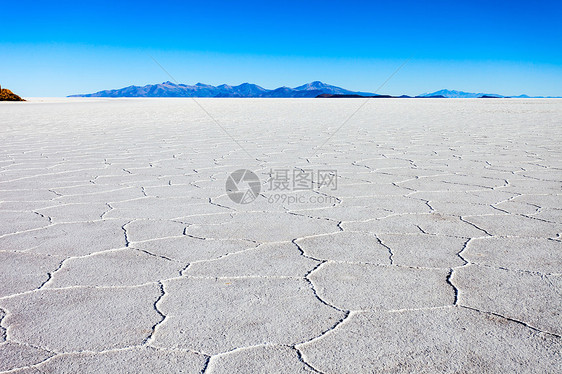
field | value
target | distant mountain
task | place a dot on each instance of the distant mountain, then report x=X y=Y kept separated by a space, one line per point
x=457 y=94
x=344 y=96
x=469 y=95
x=169 y=89
x=243 y=90
x=331 y=90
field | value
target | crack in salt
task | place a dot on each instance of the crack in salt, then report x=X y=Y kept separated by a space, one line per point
x=163 y=317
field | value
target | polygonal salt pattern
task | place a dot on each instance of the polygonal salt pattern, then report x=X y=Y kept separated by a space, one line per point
x=438 y=251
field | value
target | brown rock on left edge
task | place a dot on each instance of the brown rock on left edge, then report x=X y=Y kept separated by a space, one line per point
x=7 y=95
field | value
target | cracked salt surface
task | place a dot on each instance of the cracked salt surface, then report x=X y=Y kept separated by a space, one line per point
x=439 y=251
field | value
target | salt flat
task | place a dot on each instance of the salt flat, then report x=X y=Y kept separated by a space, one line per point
x=439 y=249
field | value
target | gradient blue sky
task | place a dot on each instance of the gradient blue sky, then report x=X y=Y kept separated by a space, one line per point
x=67 y=47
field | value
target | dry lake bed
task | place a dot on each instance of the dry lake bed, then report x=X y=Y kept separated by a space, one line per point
x=420 y=235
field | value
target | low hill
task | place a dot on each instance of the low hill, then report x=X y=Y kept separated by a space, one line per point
x=7 y=95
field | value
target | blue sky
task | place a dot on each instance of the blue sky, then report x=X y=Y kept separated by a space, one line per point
x=67 y=47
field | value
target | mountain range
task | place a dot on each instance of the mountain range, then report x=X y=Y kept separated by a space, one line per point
x=169 y=89
x=313 y=89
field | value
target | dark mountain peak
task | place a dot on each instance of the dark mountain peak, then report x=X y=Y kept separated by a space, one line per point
x=329 y=89
x=313 y=86
x=248 y=89
x=250 y=85
x=318 y=84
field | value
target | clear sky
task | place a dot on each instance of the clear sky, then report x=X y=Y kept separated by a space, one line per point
x=58 y=48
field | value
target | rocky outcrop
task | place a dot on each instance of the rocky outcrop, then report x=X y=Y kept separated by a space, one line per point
x=7 y=95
